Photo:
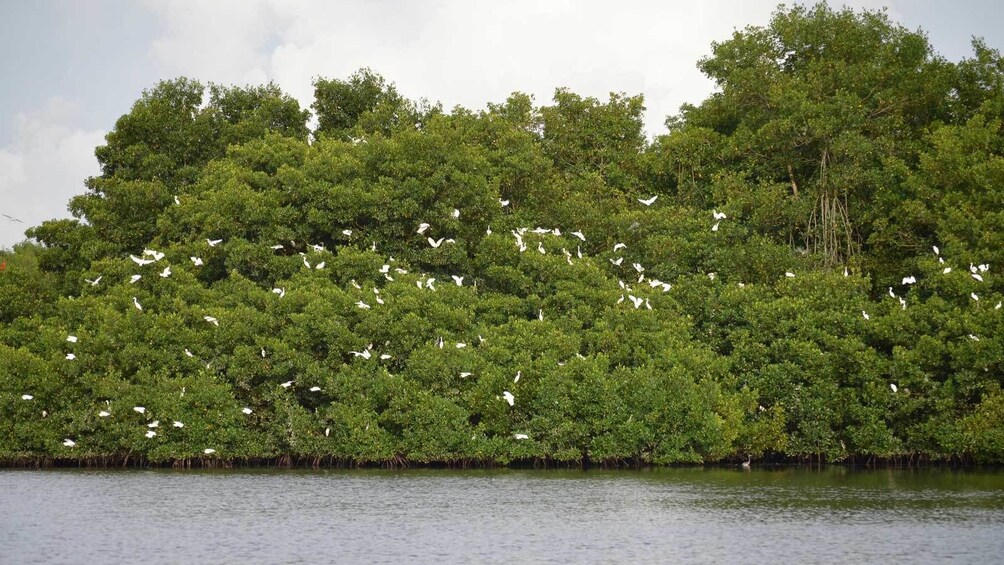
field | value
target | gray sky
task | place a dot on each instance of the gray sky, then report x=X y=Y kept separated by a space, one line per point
x=71 y=68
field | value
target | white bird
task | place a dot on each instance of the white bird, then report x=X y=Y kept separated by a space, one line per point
x=621 y=299
x=974 y=296
x=435 y=243
x=540 y=248
x=947 y=270
x=157 y=255
x=983 y=267
x=365 y=353
x=429 y=283
x=650 y=201
x=715 y=227
x=71 y=338
x=209 y=451
x=320 y=265
x=579 y=235
x=211 y=320
x=902 y=302
x=150 y=433
x=504 y=203
x=69 y=443
x=137 y=304
x=355 y=284
x=578 y=251
x=384 y=269
x=910 y=280
x=488 y=231
x=464 y=375
x=618 y=261
x=461 y=345
x=540 y=314
x=140 y=261
x=154 y=424
x=422 y=227
x=214 y=242
x=315 y=389
x=379 y=300
x=998 y=307
x=286 y=384
x=279 y=291
x=166 y=272
x=456 y=213
x=789 y=274
x=189 y=353
x=977 y=277
x=363 y=305
x=619 y=246
x=262 y=352
x=556 y=231
x=385 y=356
x=509 y=397
x=177 y=200
x=518 y=375
x=134 y=278
x=638 y=267
x=936 y=250
x=845 y=272
x=347 y=233
x=93 y=282
x=246 y=410
x=865 y=314
x=891 y=293
x=26 y=397
x=317 y=246
x=648 y=304
x=178 y=424
x=893 y=387
x=197 y=261
x=521 y=436
x=458 y=280
x=278 y=246
x=70 y=356
x=974 y=338
x=636 y=301
x=327 y=431
x=139 y=409
x=104 y=414
x=439 y=342
x=718 y=215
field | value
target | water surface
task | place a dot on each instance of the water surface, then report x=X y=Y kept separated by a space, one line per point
x=503 y=516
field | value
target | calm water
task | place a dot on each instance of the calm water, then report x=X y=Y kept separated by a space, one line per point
x=833 y=516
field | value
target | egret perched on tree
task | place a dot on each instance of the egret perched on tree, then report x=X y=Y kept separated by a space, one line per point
x=26 y=397
x=246 y=410
x=71 y=338
x=70 y=357
x=137 y=304
x=139 y=409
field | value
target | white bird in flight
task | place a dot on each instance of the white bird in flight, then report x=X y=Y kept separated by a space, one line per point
x=69 y=443
x=650 y=201
x=363 y=305
x=315 y=389
x=139 y=409
x=579 y=235
x=422 y=227
x=435 y=243
x=140 y=261
x=458 y=280
x=93 y=282
x=166 y=272
x=212 y=320
x=718 y=215
x=214 y=242
x=178 y=424
x=197 y=261
x=246 y=410
x=134 y=278
x=509 y=397
x=619 y=246
x=150 y=433
x=26 y=397
x=365 y=353
x=347 y=233
x=286 y=384
x=618 y=261
x=521 y=436
x=910 y=280
x=71 y=338
x=789 y=274
x=209 y=451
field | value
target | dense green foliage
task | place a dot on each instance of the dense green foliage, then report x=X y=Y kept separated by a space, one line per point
x=839 y=146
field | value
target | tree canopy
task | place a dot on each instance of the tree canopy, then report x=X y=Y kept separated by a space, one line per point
x=804 y=265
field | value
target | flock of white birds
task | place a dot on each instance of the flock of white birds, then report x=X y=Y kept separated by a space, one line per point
x=426 y=282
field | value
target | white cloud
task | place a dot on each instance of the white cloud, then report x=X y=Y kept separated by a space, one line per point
x=43 y=167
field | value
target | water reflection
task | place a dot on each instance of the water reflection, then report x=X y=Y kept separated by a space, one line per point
x=499 y=516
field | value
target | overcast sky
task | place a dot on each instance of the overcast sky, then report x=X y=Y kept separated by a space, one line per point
x=70 y=68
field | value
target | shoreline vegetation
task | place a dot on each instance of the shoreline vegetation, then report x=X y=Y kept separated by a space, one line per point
x=806 y=268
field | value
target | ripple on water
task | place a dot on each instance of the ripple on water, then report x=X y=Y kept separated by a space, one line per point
x=498 y=516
